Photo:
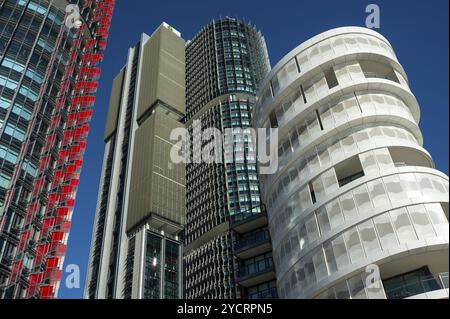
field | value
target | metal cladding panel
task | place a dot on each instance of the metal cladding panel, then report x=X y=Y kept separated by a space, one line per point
x=149 y=74
x=157 y=185
x=114 y=104
x=163 y=72
x=172 y=76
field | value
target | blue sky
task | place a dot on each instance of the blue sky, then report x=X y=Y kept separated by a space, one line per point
x=418 y=31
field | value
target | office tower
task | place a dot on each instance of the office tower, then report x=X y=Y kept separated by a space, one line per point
x=136 y=244
x=48 y=77
x=228 y=250
x=356 y=208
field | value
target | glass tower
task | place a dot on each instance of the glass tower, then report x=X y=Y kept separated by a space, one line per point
x=48 y=77
x=225 y=63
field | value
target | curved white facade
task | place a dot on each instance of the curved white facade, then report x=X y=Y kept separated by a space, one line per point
x=354 y=186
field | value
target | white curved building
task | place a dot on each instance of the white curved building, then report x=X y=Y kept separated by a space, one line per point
x=354 y=187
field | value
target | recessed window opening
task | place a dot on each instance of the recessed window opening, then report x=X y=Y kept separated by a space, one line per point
x=303 y=94
x=373 y=69
x=320 y=120
x=402 y=156
x=331 y=78
x=313 y=193
x=349 y=171
x=273 y=119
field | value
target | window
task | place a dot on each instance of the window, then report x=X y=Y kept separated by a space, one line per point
x=5 y=181
x=37 y=8
x=362 y=199
x=312 y=192
x=342 y=291
x=402 y=156
x=330 y=258
x=152 y=275
x=28 y=93
x=385 y=231
x=340 y=252
x=34 y=76
x=403 y=226
x=348 y=206
x=331 y=78
x=5 y=103
x=378 y=194
x=284 y=76
x=349 y=171
x=369 y=163
x=8 y=154
x=9 y=83
x=323 y=221
x=439 y=219
x=320 y=265
x=14 y=65
x=305 y=198
x=273 y=120
x=22 y=112
x=421 y=222
x=334 y=214
x=410 y=284
x=369 y=237
x=15 y=132
x=312 y=229
x=373 y=69
x=354 y=246
x=357 y=289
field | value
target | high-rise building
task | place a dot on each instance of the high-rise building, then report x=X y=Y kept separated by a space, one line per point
x=228 y=250
x=48 y=77
x=356 y=208
x=136 y=244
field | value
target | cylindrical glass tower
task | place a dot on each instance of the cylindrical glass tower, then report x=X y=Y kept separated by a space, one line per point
x=356 y=209
x=48 y=77
x=225 y=63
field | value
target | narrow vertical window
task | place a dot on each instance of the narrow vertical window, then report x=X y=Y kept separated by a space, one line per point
x=331 y=78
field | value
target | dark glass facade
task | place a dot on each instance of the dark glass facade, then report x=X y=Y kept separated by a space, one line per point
x=171 y=270
x=225 y=63
x=48 y=77
x=152 y=277
x=162 y=268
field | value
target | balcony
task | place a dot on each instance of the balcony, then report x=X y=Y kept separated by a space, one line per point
x=266 y=294
x=254 y=274
x=377 y=70
x=6 y=263
x=414 y=285
x=253 y=245
x=249 y=220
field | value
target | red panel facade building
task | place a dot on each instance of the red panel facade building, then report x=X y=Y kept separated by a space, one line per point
x=49 y=54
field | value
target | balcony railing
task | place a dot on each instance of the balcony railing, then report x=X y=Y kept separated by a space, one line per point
x=258 y=267
x=266 y=294
x=248 y=214
x=417 y=286
x=253 y=240
x=374 y=75
x=347 y=180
